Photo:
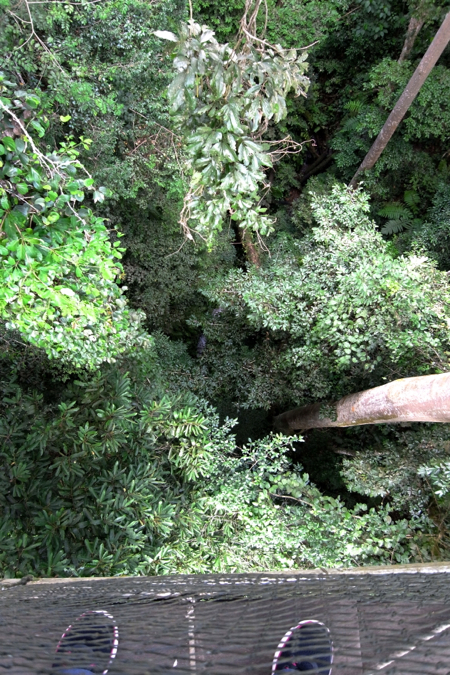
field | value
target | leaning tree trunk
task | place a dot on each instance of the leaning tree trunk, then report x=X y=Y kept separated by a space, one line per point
x=413 y=399
x=409 y=94
x=414 y=27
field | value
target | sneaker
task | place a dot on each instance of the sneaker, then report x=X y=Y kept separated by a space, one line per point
x=305 y=648
x=88 y=646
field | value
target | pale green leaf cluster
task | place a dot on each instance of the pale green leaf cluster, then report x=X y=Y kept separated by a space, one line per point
x=341 y=306
x=58 y=267
x=222 y=99
x=438 y=475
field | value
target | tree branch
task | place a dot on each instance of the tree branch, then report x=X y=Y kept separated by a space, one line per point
x=410 y=92
x=413 y=399
x=413 y=31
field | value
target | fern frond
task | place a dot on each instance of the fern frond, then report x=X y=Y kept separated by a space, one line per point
x=351 y=124
x=395 y=211
x=411 y=198
x=395 y=226
x=354 y=107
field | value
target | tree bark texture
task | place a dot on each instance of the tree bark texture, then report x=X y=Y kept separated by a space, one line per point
x=412 y=399
x=410 y=92
x=250 y=249
x=413 y=31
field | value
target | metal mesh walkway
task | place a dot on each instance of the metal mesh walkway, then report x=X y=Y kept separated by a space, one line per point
x=219 y=625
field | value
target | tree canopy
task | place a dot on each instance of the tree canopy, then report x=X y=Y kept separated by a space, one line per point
x=184 y=259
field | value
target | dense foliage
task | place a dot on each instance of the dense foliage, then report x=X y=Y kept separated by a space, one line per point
x=223 y=98
x=339 y=307
x=178 y=247
x=59 y=266
x=112 y=481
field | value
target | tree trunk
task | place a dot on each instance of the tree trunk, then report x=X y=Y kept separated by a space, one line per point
x=413 y=31
x=413 y=399
x=409 y=94
x=250 y=249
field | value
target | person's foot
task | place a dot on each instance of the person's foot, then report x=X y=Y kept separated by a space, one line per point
x=306 y=647
x=88 y=645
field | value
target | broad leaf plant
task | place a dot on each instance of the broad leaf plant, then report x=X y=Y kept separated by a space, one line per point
x=58 y=267
x=223 y=99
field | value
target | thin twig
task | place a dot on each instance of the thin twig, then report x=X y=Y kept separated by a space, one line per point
x=290 y=147
x=302 y=49
x=35 y=35
x=264 y=42
x=349 y=13
x=262 y=244
x=157 y=124
x=45 y=161
x=266 y=18
x=303 y=501
x=177 y=251
x=274 y=47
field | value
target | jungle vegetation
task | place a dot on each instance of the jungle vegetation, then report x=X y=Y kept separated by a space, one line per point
x=183 y=259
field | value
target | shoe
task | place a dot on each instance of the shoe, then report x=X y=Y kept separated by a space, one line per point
x=305 y=648
x=88 y=646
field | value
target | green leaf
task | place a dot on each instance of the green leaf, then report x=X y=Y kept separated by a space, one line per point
x=39 y=203
x=22 y=188
x=37 y=126
x=34 y=176
x=9 y=143
x=23 y=209
x=13 y=223
x=24 y=158
x=33 y=101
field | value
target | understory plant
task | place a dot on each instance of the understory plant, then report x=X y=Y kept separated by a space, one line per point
x=108 y=480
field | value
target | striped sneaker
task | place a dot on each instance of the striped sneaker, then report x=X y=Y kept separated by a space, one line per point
x=88 y=646
x=306 y=647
